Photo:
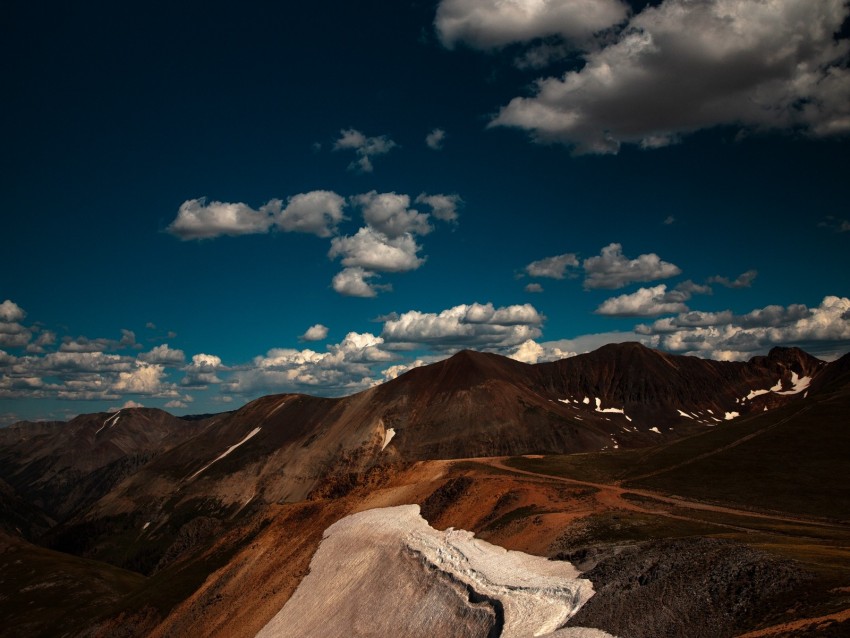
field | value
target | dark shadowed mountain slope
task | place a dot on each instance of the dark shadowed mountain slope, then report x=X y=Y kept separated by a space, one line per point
x=655 y=388
x=480 y=404
x=835 y=377
x=44 y=593
x=278 y=448
x=793 y=458
x=275 y=449
x=19 y=517
x=64 y=467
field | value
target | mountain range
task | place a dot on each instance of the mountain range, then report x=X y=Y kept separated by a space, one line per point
x=631 y=463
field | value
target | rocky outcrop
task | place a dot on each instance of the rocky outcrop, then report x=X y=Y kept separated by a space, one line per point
x=716 y=588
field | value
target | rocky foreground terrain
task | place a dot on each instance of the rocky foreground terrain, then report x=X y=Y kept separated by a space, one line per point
x=673 y=496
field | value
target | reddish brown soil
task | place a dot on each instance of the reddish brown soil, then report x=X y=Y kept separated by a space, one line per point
x=505 y=506
x=788 y=628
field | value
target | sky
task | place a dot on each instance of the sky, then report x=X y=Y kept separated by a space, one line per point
x=207 y=202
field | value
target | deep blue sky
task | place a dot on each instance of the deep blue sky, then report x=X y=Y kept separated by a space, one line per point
x=114 y=116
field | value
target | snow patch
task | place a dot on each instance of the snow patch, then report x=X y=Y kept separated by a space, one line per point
x=799 y=383
x=388 y=436
x=731 y=415
x=586 y=400
x=599 y=408
x=276 y=408
x=655 y=429
x=114 y=418
x=146 y=525
x=537 y=595
x=250 y=434
x=684 y=414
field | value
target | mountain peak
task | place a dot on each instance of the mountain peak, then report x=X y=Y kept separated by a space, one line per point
x=465 y=369
x=794 y=358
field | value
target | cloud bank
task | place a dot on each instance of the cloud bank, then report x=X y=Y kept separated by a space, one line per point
x=670 y=70
x=406 y=340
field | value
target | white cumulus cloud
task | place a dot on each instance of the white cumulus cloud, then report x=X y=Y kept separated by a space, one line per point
x=344 y=367
x=365 y=147
x=644 y=302
x=532 y=352
x=317 y=212
x=529 y=351
x=611 y=269
x=553 y=267
x=144 y=379
x=682 y=66
x=466 y=326
x=391 y=215
x=744 y=280
x=823 y=330
x=353 y=282
x=316 y=332
x=486 y=24
x=443 y=207
x=10 y=311
x=129 y=404
x=14 y=335
x=197 y=219
x=163 y=355
x=393 y=372
x=434 y=140
x=374 y=251
x=202 y=371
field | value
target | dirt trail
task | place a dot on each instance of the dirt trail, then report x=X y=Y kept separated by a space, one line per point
x=613 y=494
x=803 y=623
x=735 y=443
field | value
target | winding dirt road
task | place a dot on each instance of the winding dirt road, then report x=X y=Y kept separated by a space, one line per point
x=614 y=495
